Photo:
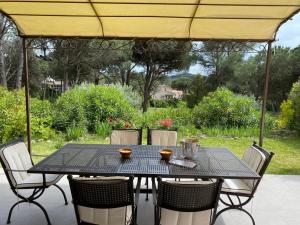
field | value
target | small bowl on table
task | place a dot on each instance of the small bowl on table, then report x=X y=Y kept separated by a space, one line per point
x=166 y=154
x=125 y=153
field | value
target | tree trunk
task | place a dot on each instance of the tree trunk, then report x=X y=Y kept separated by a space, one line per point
x=3 y=80
x=145 y=100
x=66 y=81
x=20 y=68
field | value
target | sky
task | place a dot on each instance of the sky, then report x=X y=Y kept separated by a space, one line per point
x=288 y=36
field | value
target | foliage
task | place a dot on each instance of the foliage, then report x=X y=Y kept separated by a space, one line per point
x=41 y=119
x=196 y=91
x=75 y=132
x=103 y=129
x=13 y=116
x=224 y=108
x=88 y=105
x=162 y=103
x=181 y=116
x=165 y=123
x=182 y=83
x=290 y=110
x=286 y=114
x=130 y=94
x=157 y=58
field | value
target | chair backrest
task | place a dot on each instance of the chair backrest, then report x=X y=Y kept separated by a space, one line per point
x=188 y=202
x=15 y=156
x=126 y=136
x=258 y=159
x=162 y=137
x=102 y=200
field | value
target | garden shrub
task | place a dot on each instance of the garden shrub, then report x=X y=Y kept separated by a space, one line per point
x=103 y=129
x=223 y=108
x=290 y=110
x=41 y=119
x=75 y=132
x=181 y=116
x=13 y=116
x=161 y=103
x=131 y=95
x=88 y=105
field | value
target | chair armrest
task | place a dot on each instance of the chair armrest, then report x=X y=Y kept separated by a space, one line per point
x=154 y=194
x=137 y=191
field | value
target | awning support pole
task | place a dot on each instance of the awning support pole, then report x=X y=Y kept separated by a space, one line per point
x=25 y=57
x=265 y=97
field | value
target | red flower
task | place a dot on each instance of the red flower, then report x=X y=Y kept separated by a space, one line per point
x=166 y=123
x=127 y=125
x=109 y=120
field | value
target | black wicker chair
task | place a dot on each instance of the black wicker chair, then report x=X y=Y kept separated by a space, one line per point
x=126 y=136
x=102 y=199
x=240 y=192
x=15 y=160
x=177 y=202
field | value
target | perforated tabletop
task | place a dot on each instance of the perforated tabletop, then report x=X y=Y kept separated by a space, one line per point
x=105 y=160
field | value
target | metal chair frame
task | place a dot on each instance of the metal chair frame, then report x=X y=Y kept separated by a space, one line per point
x=230 y=204
x=37 y=192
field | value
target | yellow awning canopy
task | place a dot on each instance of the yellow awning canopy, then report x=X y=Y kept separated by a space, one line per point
x=256 y=20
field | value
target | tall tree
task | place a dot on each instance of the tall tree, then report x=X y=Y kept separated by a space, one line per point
x=5 y=25
x=157 y=58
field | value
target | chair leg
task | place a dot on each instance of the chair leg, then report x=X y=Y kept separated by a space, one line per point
x=43 y=209
x=11 y=210
x=63 y=193
x=232 y=208
x=33 y=202
x=147 y=188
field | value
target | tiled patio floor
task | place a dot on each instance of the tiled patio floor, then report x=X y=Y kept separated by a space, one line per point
x=277 y=202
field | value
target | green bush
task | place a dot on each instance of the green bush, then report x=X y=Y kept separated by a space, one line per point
x=290 y=110
x=161 y=103
x=41 y=119
x=13 y=116
x=88 y=105
x=75 y=132
x=223 y=108
x=103 y=129
x=181 y=116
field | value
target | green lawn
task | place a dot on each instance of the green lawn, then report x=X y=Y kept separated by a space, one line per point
x=286 y=159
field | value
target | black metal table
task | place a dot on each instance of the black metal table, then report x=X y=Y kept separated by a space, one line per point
x=105 y=160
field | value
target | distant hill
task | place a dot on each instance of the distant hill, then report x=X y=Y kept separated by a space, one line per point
x=172 y=77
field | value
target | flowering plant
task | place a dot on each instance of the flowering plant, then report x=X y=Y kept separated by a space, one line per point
x=118 y=123
x=166 y=123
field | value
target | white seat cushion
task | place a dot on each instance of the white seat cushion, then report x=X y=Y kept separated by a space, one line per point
x=236 y=186
x=36 y=180
x=170 y=217
x=124 y=137
x=163 y=137
x=112 y=216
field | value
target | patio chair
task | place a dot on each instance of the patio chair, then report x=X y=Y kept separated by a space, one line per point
x=126 y=136
x=15 y=160
x=162 y=137
x=104 y=200
x=186 y=202
x=258 y=159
